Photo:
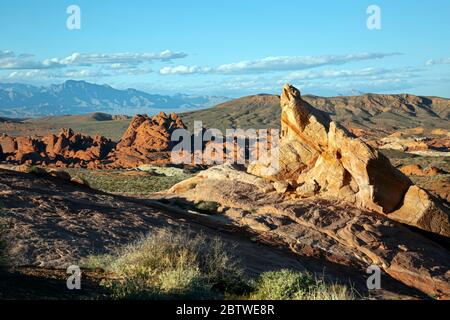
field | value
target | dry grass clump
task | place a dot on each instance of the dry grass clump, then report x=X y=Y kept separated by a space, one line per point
x=171 y=265
x=292 y=285
x=4 y=225
x=179 y=264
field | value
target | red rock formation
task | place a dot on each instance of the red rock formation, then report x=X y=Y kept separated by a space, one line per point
x=8 y=144
x=147 y=140
x=66 y=149
x=417 y=170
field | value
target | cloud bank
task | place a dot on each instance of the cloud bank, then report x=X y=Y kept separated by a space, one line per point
x=432 y=62
x=274 y=64
x=10 y=60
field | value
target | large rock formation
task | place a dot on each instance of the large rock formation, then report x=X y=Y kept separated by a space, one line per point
x=65 y=149
x=317 y=156
x=319 y=228
x=147 y=140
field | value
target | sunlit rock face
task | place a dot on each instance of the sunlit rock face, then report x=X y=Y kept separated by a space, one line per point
x=319 y=157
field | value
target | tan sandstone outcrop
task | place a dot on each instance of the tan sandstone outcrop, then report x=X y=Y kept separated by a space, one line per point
x=318 y=156
x=321 y=228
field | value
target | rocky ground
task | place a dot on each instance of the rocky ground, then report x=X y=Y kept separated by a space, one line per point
x=317 y=227
x=55 y=223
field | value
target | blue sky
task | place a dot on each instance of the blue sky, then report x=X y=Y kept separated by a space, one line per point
x=231 y=47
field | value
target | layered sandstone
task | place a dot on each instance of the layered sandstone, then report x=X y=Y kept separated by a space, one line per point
x=320 y=228
x=319 y=157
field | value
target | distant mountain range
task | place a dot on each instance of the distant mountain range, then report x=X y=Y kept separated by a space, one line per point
x=79 y=97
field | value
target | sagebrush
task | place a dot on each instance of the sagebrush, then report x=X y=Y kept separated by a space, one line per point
x=179 y=264
x=173 y=265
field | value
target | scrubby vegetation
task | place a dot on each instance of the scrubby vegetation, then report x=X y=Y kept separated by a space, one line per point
x=207 y=207
x=127 y=182
x=181 y=265
x=171 y=265
x=36 y=170
x=3 y=241
x=291 y=285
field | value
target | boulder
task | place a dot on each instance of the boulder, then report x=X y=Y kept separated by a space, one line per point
x=421 y=210
x=417 y=170
x=8 y=144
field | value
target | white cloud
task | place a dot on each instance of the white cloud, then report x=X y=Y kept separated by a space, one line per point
x=24 y=74
x=273 y=64
x=79 y=73
x=432 y=62
x=81 y=59
x=184 y=70
x=367 y=73
x=9 y=60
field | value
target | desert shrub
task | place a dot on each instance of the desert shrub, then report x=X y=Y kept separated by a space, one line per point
x=292 y=285
x=4 y=225
x=36 y=170
x=172 y=265
x=115 y=181
x=192 y=186
x=207 y=207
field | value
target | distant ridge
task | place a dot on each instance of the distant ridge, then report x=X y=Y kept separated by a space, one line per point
x=89 y=117
x=368 y=111
x=80 y=97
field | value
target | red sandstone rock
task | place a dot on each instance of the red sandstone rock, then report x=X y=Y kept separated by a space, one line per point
x=147 y=140
x=417 y=170
x=64 y=150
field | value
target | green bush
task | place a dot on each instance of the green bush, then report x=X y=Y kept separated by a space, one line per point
x=207 y=207
x=292 y=285
x=172 y=265
x=181 y=265
x=37 y=171
x=115 y=181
